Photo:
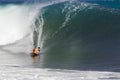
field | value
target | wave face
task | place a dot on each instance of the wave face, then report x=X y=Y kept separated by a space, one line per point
x=80 y=35
x=72 y=34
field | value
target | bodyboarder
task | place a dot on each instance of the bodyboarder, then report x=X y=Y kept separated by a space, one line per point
x=36 y=51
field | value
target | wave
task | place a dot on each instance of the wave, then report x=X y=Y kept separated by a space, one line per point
x=72 y=34
x=13 y=23
x=83 y=33
x=69 y=18
x=106 y=3
x=8 y=72
x=17 y=20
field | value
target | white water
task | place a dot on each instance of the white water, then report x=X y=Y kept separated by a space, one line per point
x=14 y=23
x=12 y=73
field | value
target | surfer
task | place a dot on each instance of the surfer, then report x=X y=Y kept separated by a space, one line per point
x=36 y=51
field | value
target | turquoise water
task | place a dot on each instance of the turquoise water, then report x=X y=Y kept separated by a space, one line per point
x=81 y=35
x=108 y=3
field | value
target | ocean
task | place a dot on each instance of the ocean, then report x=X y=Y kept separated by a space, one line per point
x=79 y=39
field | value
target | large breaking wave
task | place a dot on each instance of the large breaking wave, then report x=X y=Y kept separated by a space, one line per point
x=15 y=22
x=72 y=34
x=81 y=35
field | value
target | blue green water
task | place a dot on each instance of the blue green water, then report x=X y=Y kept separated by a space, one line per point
x=82 y=35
